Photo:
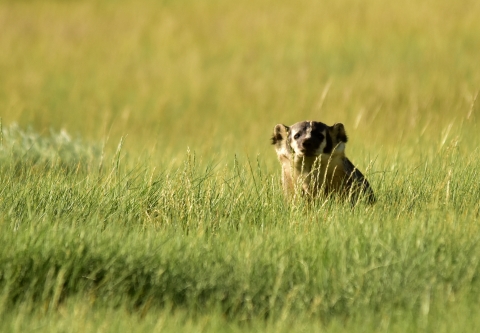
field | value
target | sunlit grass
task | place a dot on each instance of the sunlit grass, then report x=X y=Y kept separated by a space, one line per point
x=139 y=191
x=212 y=241
x=204 y=74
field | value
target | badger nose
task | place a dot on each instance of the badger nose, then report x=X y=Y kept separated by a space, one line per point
x=310 y=144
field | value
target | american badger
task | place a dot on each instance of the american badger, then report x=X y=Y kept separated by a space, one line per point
x=312 y=155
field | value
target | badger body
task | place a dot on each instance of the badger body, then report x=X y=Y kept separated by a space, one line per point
x=312 y=156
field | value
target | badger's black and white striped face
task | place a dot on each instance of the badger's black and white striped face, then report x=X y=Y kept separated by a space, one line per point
x=309 y=138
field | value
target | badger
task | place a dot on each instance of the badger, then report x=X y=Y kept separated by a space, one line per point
x=312 y=156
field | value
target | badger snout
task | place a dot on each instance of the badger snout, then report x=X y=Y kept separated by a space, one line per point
x=309 y=146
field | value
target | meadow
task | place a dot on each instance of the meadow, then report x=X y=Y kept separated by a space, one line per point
x=139 y=191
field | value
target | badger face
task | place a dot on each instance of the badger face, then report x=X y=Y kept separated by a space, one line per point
x=309 y=139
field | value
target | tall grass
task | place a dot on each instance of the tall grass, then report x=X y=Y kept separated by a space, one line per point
x=206 y=240
x=139 y=191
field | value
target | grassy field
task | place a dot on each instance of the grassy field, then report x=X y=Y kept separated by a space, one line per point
x=139 y=191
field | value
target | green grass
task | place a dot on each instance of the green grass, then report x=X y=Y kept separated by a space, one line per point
x=139 y=192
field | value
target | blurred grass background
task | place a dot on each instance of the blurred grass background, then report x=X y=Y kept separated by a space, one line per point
x=216 y=76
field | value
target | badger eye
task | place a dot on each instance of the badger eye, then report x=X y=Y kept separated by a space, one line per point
x=296 y=136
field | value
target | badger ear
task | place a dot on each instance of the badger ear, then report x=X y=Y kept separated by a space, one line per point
x=280 y=132
x=338 y=132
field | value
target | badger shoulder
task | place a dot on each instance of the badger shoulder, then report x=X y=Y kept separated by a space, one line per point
x=356 y=182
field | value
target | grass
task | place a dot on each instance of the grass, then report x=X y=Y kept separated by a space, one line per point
x=139 y=192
